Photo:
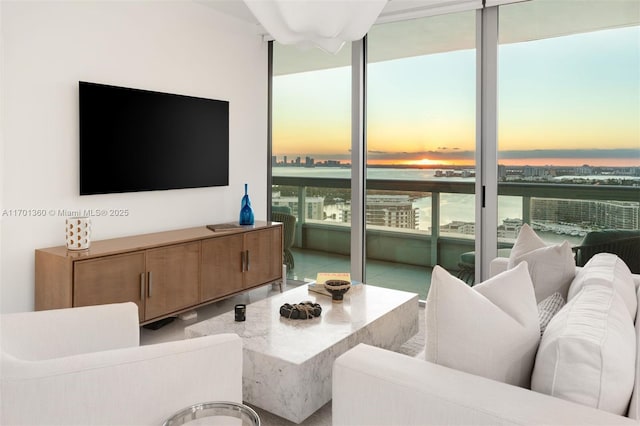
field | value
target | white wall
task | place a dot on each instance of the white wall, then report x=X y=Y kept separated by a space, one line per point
x=1 y=141
x=170 y=46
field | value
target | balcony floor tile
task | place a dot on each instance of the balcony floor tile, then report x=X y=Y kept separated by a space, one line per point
x=415 y=279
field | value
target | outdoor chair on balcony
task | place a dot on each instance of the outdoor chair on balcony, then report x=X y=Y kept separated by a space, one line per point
x=289 y=231
x=625 y=244
x=467 y=265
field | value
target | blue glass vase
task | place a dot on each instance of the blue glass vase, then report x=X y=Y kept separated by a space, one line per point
x=246 y=212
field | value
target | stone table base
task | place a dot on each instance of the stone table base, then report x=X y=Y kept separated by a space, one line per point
x=287 y=364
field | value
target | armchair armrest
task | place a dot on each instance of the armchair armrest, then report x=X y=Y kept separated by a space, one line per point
x=373 y=386
x=131 y=386
x=498 y=265
x=65 y=332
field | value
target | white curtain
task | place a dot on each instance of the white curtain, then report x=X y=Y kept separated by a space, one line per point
x=327 y=24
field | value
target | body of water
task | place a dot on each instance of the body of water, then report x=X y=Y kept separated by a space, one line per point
x=461 y=207
x=372 y=173
x=453 y=207
x=410 y=174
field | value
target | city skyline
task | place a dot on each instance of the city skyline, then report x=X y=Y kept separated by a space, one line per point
x=565 y=101
x=566 y=158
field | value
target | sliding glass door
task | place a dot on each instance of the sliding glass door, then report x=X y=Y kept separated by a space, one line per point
x=569 y=122
x=420 y=199
x=311 y=145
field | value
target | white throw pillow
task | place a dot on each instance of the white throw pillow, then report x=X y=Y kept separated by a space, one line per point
x=552 y=268
x=548 y=308
x=587 y=354
x=610 y=271
x=490 y=330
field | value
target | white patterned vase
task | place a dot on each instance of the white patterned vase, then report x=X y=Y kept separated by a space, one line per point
x=78 y=233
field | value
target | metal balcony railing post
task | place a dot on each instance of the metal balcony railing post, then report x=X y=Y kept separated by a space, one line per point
x=526 y=210
x=302 y=214
x=435 y=226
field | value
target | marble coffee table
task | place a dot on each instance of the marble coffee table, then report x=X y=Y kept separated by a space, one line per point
x=287 y=364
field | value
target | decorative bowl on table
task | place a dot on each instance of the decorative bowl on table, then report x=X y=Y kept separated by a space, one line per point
x=337 y=289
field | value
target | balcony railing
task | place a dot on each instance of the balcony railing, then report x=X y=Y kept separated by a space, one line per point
x=443 y=250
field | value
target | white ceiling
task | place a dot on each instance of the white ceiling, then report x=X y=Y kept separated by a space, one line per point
x=419 y=36
x=393 y=11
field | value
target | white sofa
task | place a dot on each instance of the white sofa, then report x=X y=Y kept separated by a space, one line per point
x=84 y=366
x=373 y=386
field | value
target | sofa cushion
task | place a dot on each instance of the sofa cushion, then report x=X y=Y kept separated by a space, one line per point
x=548 y=308
x=608 y=270
x=552 y=268
x=490 y=329
x=587 y=353
x=634 y=405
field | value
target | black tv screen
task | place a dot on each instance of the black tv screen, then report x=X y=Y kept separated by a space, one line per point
x=137 y=140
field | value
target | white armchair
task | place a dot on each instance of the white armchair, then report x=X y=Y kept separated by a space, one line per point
x=85 y=366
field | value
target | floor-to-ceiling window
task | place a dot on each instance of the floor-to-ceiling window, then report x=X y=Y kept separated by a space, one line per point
x=569 y=119
x=311 y=145
x=421 y=111
x=568 y=137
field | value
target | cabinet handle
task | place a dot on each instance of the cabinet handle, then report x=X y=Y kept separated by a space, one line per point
x=247 y=260
x=150 y=284
x=242 y=261
x=142 y=286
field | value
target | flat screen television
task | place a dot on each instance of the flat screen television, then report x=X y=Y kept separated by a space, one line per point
x=138 y=140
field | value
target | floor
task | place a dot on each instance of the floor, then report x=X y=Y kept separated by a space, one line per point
x=175 y=330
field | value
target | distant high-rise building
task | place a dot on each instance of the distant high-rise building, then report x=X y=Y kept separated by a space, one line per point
x=392 y=211
x=459 y=227
x=606 y=214
x=585 y=170
x=314 y=206
x=502 y=172
x=509 y=228
x=535 y=172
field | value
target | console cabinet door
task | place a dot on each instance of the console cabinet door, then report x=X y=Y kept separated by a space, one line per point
x=264 y=256
x=173 y=274
x=221 y=266
x=112 y=279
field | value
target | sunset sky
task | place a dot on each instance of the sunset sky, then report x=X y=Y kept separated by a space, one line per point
x=569 y=100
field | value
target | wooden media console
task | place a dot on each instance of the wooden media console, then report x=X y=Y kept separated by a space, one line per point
x=164 y=273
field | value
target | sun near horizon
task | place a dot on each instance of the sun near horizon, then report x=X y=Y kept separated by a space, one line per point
x=427 y=162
